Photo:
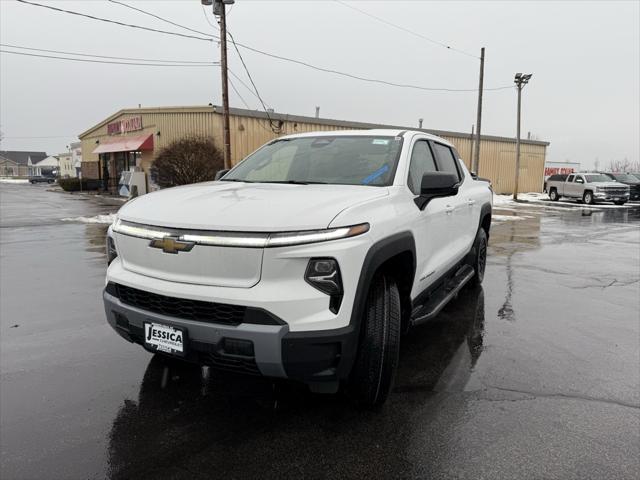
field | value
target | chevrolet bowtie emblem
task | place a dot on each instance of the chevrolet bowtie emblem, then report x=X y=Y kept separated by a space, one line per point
x=171 y=245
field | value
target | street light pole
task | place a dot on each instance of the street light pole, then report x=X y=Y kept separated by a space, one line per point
x=520 y=80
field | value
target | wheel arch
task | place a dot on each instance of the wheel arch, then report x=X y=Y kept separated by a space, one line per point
x=396 y=256
x=485 y=218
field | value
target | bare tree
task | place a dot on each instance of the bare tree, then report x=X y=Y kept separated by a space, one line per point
x=187 y=160
x=623 y=166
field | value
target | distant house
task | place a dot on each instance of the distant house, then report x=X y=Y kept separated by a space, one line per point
x=49 y=166
x=9 y=168
x=16 y=163
x=76 y=157
x=66 y=165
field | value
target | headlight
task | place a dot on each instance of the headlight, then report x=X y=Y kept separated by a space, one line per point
x=313 y=236
x=324 y=274
x=112 y=253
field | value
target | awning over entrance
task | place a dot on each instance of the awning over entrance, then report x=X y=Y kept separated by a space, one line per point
x=126 y=144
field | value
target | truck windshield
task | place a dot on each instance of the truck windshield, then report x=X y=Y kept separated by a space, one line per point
x=597 y=178
x=624 y=177
x=341 y=159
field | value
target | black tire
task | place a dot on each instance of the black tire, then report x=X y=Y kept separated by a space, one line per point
x=619 y=203
x=553 y=195
x=587 y=197
x=375 y=367
x=478 y=257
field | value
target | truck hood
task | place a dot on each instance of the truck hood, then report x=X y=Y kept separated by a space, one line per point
x=607 y=184
x=258 y=207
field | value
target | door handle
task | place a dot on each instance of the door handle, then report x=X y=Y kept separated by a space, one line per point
x=449 y=209
x=470 y=202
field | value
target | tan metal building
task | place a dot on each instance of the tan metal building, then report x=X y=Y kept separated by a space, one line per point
x=132 y=137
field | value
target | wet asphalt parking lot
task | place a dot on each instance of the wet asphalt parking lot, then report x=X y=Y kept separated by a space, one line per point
x=536 y=375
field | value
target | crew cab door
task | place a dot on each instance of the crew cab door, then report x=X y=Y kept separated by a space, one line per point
x=568 y=187
x=577 y=187
x=432 y=224
x=460 y=208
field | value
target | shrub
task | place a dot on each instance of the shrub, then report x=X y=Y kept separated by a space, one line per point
x=188 y=160
x=73 y=184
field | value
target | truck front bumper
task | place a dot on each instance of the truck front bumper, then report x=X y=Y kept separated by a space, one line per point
x=608 y=197
x=309 y=356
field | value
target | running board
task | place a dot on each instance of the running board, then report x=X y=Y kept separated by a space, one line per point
x=442 y=296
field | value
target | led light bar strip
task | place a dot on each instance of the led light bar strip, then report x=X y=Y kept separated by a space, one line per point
x=241 y=239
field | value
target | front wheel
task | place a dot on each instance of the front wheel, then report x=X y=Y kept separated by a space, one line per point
x=377 y=360
x=588 y=197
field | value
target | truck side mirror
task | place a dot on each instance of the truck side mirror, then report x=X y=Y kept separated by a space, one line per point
x=435 y=185
x=221 y=173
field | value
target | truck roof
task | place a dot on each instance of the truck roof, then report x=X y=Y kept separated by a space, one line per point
x=383 y=132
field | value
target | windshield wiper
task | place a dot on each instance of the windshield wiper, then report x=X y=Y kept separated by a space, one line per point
x=295 y=182
x=235 y=180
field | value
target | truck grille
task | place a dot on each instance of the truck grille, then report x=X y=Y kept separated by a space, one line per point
x=196 y=310
x=615 y=190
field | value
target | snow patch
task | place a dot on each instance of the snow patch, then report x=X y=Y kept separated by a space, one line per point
x=527 y=197
x=14 y=180
x=106 y=219
x=505 y=218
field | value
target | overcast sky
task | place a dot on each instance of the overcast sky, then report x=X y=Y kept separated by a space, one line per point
x=584 y=96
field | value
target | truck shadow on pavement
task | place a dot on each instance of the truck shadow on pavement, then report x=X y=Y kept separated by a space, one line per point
x=186 y=424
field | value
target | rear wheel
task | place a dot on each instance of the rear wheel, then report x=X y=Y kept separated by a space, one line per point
x=375 y=366
x=478 y=257
x=553 y=195
x=588 y=197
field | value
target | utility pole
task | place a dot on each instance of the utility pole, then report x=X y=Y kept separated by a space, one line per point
x=520 y=80
x=219 y=10
x=475 y=164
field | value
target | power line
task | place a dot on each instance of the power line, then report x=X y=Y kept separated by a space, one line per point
x=278 y=57
x=204 y=10
x=158 y=17
x=276 y=129
x=238 y=94
x=108 y=61
x=415 y=34
x=366 y=79
x=103 y=56
x=237 y=77
x=47 y=136
x=114 y=21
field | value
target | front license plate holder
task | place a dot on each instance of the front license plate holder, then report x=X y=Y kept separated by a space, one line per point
x=168 y=339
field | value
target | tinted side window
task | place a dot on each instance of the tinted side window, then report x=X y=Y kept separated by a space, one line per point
x=570 y=179
x=421 y=163
x=446 y=160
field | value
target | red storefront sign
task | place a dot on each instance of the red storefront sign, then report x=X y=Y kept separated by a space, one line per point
x=127 y=125
x=558 y=171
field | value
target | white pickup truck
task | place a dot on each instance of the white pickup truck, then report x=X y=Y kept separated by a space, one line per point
x=307 y=260
x=589 y=187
